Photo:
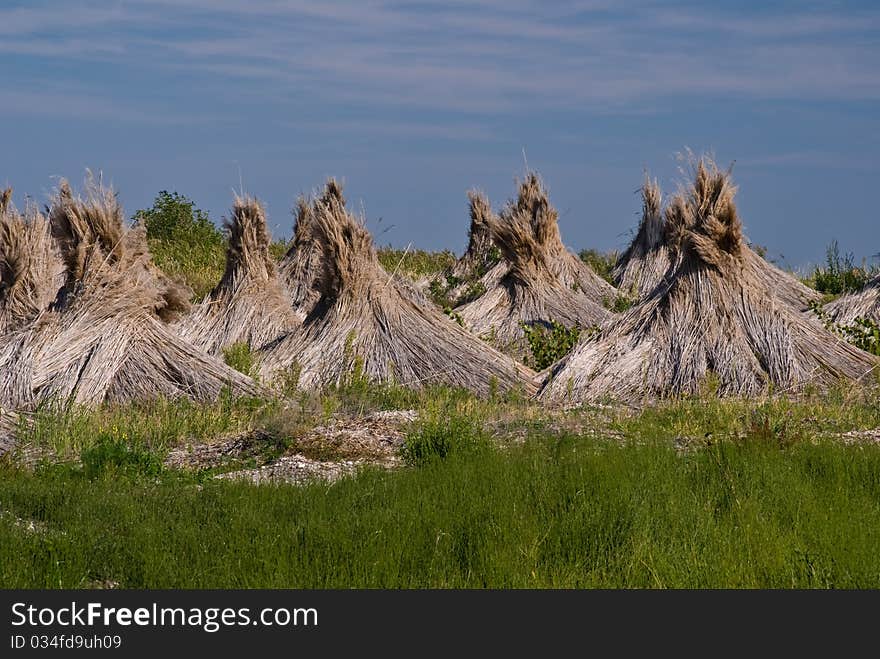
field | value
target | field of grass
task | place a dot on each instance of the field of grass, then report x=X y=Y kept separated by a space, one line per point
x=689 y=493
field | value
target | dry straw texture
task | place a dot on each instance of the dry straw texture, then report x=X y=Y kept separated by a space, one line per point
x=542 y=282
x=645 y=262
x=366 y=325
x=861 y=304
x=249 y=305
x=105 y=338
x=716 y=324
x=481 y=265
x=31 y=271
x=476 y=258
x=300 y=265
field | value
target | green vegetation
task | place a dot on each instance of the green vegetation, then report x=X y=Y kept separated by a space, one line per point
x=278 y=248
x=601 y=262
x=241 y=357
x=184 y=242
x=556 y=512
x=689 y=493
x=550 y=344
x=159 y=425
x=415 y=263
x=863 y=333
x=839 y=275
x=442 y=434
x=619 y=303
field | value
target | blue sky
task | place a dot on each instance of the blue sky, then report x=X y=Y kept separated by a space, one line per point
x=412 y=103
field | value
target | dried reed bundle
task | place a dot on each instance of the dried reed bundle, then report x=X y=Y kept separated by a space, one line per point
x=644 y=263
x=105 y=338
x=861 y=304
x=31 y=271
x=249 y=304
x=715 y=323
x=366 y=325
x=540 y=283
x=301 y=265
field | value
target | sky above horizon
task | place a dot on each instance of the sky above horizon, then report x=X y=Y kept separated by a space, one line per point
x=412 y=103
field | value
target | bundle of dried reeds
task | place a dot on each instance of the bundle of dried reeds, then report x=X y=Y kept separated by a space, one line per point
x=864 y=303
x=31 y=271
x=300 y=265
x=481 y=266
x=645 y=262
x=366 y=325
x=541 y=283
x=105 y=338
x=86 y=226
x=249 y=305
x=715 y=324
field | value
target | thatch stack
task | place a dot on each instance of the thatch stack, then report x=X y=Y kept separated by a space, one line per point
x=647 y=261
x=482 y=263
x=533 y=202
x=543 y=282
x=784 y=285
x=864 y=303
x=477 y=258
x=105 y=338
x=300 y=265
x=716 y=324
x=644 y=263
x=31 y=271
x=31 y=275
x=249 y=305
x=365 y=324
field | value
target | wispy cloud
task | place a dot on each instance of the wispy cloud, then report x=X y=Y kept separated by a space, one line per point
x=478 y=57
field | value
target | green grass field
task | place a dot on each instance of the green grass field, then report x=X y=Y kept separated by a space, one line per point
x=692 y=493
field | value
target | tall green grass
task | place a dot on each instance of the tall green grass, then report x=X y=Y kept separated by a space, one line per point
x=554 y=512
x=159 y=424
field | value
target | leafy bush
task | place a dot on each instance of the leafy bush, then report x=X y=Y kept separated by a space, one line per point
x=184 y=242
x=473 y=290
x=864 y=333
x=601 y=262
x=550 y=344
x=840 y=274
x=111 y=455
x=278 y=248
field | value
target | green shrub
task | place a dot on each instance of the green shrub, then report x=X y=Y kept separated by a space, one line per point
x=863 y=333
x=840 y=274
x=550 y=344
x=184 y=242
x=601 y=262
x=618 y=303
x=473 y=290
x=279 y=248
